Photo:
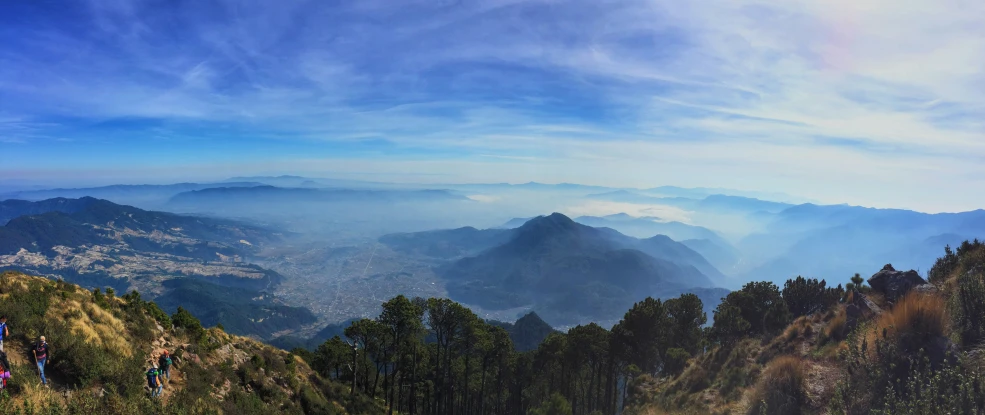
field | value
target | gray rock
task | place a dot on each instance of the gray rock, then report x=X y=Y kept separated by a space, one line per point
x=895 y=284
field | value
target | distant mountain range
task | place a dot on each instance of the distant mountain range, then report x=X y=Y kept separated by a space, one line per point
x=280 y=195
x=567 y=271
x=144 y=195
x=836 y=241
x=711 y=203
x=200 y=263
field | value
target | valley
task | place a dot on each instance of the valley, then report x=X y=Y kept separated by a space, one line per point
x=338 y=254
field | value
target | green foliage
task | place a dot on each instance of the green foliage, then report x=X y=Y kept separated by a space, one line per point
x=192 y=326
x=758 y=308
x=968 y=307
x=643 y=334
x=762 y=305
x=555 y=405
x=806 y=296
x=687 y=316
x=236 y=308
x=676 y=361
x=968 y=256
x=729 y=326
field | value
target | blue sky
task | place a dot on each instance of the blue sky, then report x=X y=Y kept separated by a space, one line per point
x=880 y=103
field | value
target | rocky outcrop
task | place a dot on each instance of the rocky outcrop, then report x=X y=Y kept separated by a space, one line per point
x=895 y=284
x=859 y=307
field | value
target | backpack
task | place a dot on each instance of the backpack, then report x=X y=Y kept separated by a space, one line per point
x=152 y=377
x=167 y=361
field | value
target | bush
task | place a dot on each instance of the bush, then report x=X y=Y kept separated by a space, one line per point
x=906 y=341
x=185 y=320
x=675 y=361
x=914 y=322
x=780 y=389
x=555 y=405
x=804 y=296
x=968 y=307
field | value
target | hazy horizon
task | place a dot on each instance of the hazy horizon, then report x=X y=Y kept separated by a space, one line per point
x=877 y=104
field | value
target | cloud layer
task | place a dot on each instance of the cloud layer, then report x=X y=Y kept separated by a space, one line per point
x=876 y=102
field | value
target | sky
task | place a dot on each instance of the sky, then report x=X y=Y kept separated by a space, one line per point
x=878 y=103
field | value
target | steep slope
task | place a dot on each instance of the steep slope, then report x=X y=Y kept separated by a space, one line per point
x=180 y=259
x=567 y=271
x=723 y=257
x=102 y=345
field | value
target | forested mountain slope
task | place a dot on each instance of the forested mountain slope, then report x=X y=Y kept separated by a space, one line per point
x=568 y=272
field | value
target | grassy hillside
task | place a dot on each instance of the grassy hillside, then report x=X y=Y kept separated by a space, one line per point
x=874 y=350
x=102 y=344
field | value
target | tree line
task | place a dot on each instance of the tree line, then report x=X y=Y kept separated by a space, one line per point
x=435 y=356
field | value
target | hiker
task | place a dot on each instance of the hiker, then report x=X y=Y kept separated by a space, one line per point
x=154 y=381
x=3 y=330
x=4 y=370
x=164 y=363
x=41 y=357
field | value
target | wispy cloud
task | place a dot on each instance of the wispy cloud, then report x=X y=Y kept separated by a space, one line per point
x=870 y=102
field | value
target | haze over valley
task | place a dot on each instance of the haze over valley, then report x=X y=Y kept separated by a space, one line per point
x=493 y=207
x=309 y=253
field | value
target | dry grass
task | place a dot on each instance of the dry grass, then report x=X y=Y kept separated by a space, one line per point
x=98 y=327
x=780 y=389
x=800 y=327
x=917 y=317
x=837 y=328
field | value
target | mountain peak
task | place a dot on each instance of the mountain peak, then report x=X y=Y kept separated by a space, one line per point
x=555 y=221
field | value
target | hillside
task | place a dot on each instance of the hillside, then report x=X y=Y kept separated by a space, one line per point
x=96 y=243
x=568 y=272
x=101 y=345
x=894 y=343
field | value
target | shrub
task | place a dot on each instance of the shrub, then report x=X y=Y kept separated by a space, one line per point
x=185 y=320
x=968 y=307
x=804 y=296
x=555 y=405
x=780 y=389
x=905 y=341
x=914 y=321
x=675 y=361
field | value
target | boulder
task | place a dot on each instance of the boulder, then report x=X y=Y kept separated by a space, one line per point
x=859 y=308
x=895 y=284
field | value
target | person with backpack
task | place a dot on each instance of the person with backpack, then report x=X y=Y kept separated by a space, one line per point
x=164 y=363
x=4 y=370
x=3 y=330
x=154 y=381
x=41 y=355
